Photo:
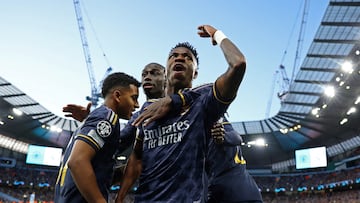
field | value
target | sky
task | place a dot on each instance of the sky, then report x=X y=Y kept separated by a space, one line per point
x=41 y=51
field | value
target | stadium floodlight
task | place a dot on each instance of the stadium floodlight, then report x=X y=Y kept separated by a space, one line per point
x=357 y=100
x=260 y=142
x=329 y=91
x=55 y=129
x=343 y=121
x=17 y=112
x=351 y=110
x=284 y=130
x=257 y=142
x=315 y=111
x=347 y=67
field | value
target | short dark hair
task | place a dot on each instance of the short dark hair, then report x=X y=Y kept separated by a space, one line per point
x=158 y=65
x=118 y=79
x=188 y=46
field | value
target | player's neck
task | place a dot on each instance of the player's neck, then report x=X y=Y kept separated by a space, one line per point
x=155 y=96
x=172 y=89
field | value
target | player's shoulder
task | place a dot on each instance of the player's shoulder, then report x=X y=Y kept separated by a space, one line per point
x=103 y=113
x=147 y=103
x=203 y=88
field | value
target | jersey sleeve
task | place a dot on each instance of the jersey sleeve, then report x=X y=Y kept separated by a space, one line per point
x=207 y=95
x=98 y=127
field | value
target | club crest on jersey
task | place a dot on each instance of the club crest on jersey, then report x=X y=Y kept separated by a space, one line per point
x=103 y=128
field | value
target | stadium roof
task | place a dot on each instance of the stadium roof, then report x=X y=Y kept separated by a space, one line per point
x=307 y=117
x=37 y=125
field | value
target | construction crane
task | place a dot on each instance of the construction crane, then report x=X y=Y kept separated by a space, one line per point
x=281 y=79
x=95 y=89
x=280 y=76
x=300 y=39
x=284 y=83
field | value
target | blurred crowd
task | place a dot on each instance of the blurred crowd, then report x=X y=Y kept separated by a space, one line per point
x=335 y=186
x=22 y=182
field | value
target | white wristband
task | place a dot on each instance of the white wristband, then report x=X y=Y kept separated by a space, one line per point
x=219 y=36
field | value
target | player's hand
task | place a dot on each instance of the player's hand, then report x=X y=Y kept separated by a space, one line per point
x=76 y=111
x=154 y=111
x=207 y=31
x=218 y=133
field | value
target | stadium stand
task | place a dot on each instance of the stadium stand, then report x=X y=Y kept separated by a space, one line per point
x=307 y=119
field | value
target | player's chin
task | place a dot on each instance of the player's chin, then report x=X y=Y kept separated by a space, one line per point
x=148 y=89
x=130 y=114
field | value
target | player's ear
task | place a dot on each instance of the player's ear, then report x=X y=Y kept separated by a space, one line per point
x=195 y=74
x=117 y=93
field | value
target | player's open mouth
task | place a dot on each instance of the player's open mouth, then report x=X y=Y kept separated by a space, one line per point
x=148 y=86
x=178 y=67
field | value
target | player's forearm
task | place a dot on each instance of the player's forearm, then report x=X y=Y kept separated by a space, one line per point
x=234 y=57
x=84 y=178
x=132 y=172
x=229 y=82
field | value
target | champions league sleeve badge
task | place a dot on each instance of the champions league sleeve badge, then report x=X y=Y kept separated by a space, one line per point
x=103 y=128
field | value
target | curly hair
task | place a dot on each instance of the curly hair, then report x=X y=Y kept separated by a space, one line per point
x=118 y=79
x=188 y=46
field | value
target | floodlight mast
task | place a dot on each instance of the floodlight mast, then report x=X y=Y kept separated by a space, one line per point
x=94 y=98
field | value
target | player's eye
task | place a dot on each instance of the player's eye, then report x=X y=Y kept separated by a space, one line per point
x=187 y=57
x=173 y=55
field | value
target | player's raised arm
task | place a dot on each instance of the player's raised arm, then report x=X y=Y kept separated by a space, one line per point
x=228 y=83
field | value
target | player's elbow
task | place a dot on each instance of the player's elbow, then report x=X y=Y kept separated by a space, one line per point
x=239 y=64
x=75 y=162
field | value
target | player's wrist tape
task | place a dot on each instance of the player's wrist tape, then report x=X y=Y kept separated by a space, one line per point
x=219 y=36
